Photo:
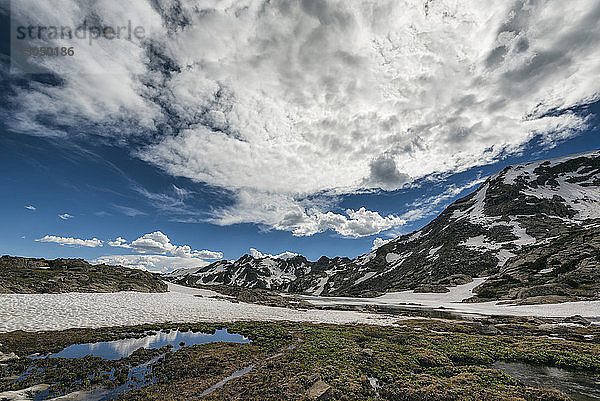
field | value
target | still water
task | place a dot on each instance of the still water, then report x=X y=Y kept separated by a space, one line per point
x=118 y=349
x=577 y=385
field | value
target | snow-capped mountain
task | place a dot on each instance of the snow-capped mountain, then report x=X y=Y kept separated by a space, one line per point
x=291 y=274
x=509 y=229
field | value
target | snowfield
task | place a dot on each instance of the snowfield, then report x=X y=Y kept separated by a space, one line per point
x=34 y=312
x=451 y=301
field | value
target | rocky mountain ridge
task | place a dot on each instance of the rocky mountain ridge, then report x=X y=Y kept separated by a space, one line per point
x=30 y=275
x=531 y=228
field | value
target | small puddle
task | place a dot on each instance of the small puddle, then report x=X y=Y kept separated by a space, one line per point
x=220 y=384
x=577 y=385
x=117 y=349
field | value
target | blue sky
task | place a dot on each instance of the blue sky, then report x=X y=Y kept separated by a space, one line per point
x=190 y=147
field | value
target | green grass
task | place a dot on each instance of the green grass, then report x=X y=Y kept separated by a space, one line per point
x=419 y=360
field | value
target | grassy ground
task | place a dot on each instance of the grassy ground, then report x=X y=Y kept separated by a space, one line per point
x=419 y=360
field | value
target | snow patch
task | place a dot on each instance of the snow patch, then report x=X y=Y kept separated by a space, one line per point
x=433 y=251
x=363 y=260
x=395 y=259
x=365 y=277
x=318 y=289
x=392 y=257
x=451 y=301
x=475 y=213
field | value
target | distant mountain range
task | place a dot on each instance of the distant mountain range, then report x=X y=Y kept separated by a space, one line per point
x=533 y=229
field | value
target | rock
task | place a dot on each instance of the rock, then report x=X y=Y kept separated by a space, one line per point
x=319 y=391
x=577 y=319
x=544 y=299
x=534 y=320
x=456 y=279
x=23 y=275
x=8 y=357
x=486 y=329
x=367 y=351
x=432 y=288
x=23 y=394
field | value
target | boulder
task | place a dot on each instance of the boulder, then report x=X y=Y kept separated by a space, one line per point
x=319 y=391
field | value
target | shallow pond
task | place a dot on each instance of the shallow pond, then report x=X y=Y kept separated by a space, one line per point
x=140 y=375
x=577 y=385
x=118 y=349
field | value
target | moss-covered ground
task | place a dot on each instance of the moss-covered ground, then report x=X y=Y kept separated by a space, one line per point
x=419 y=359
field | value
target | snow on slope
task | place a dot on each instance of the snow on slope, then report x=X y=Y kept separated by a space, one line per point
x=578 y=188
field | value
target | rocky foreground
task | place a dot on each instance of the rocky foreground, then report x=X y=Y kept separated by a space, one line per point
x=30 y=276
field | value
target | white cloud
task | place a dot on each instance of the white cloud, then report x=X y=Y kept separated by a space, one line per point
x=259 y=255
x=129 y=211
x=158 y=242
x=182 y=193
x=303 y=217
x=300 y=99
x=30 y=207
x=358 y=223
x=155 y=248
x=119 y=243
x=153 y=263
x=65 y=216
x=155 y=242
x=337 y=96
x=70 y=241
x=379 y=242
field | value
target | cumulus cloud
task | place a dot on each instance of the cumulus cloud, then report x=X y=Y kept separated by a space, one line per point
x=153 y=263
x=119 y=243
x=259 y=255
x=385 y=174
x=158 y=254
x=70 y=241
x=379 y=242
x=159 y=243
x=65 y=216
x=356 y=223
x=303 y=217
x=297 y=99
x=30 y=207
